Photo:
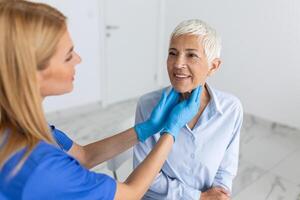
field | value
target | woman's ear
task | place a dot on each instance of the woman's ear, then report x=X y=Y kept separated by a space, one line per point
x=215 y=65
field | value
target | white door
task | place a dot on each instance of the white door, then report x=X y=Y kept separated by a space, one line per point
x=131 y=48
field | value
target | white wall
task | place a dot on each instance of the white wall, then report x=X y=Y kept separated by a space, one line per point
x=84 y=21
x=260 y=51
x=261 y=45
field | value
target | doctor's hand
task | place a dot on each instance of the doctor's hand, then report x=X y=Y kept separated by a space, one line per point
x=182 y=113
x=158 y=116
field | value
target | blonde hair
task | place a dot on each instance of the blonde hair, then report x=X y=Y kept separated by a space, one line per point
x=29 y=35
x=211 y=41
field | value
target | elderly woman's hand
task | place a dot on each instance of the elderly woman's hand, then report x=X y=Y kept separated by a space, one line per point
x=158 y=116
x=215 y=193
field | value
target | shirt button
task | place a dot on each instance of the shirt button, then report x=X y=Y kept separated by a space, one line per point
x=192 y=156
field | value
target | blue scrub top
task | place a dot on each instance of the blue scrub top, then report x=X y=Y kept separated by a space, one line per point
x=50 y=173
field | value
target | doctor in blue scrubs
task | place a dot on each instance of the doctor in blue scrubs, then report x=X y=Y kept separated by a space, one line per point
x=38 y=161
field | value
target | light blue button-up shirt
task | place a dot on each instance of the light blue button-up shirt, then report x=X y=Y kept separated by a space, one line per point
x=201 y=158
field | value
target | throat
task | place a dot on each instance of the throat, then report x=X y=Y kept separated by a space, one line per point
x=205 y=98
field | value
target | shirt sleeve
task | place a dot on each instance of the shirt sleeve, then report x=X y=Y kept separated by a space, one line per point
x=163 y=187
x=59 y=176
x=229 y=165
x=64 y=142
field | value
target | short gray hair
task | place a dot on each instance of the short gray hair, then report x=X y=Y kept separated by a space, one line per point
x=211 y=41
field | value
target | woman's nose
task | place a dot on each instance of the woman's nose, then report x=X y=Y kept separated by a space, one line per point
x=179 y=62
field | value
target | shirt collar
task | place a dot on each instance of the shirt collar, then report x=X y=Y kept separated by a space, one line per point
x=214 y=99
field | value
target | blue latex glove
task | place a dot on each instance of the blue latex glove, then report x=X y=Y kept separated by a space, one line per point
x=182 y=113
x=158 y=116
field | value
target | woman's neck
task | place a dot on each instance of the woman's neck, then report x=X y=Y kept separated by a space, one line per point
x=205 y=97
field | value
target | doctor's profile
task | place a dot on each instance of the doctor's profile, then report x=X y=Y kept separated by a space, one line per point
x=39 y=161
x=204 y=159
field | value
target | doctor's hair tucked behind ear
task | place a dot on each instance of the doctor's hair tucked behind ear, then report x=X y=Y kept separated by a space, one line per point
x=29 y=36
x=211 y=41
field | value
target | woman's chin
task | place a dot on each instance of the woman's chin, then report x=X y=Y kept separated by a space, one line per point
x=183 y=90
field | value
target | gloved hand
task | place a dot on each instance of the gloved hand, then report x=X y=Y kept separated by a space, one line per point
x=158 y=116
x=182 y=113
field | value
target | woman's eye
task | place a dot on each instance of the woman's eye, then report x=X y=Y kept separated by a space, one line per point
x=192 y=55
x=171 y=53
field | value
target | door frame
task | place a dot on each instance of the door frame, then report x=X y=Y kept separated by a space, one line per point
x=103 y=55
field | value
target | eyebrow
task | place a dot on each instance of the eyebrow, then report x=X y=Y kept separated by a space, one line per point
x=185 y=49
x=191 y=49
x=172 y=49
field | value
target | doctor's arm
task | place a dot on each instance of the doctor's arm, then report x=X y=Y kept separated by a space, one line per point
x=95 y=153
x=140 y=179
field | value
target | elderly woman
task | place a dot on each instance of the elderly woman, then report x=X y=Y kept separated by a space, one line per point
x=37 y=60
x=204 y=159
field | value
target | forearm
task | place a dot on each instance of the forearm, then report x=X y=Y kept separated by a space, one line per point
x=141 y=178
x=103 y=150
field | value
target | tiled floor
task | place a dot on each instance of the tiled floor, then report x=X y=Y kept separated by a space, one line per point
x=269 y=153
x=269 y=162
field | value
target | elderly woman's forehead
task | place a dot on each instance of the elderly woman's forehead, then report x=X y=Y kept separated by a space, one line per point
x=187 y=37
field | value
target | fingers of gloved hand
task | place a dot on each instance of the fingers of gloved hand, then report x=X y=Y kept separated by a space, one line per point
x=172 y=99
x=196 y=93
x=153 y=124
x=182 y=113
x=157 y=110
x=194 y=100
x=163 y=98
x=173 y=95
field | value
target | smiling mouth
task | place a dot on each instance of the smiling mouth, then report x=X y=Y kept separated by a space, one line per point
x=181 y=77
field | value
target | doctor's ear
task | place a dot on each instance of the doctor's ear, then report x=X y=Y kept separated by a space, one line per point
x=214 y=66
